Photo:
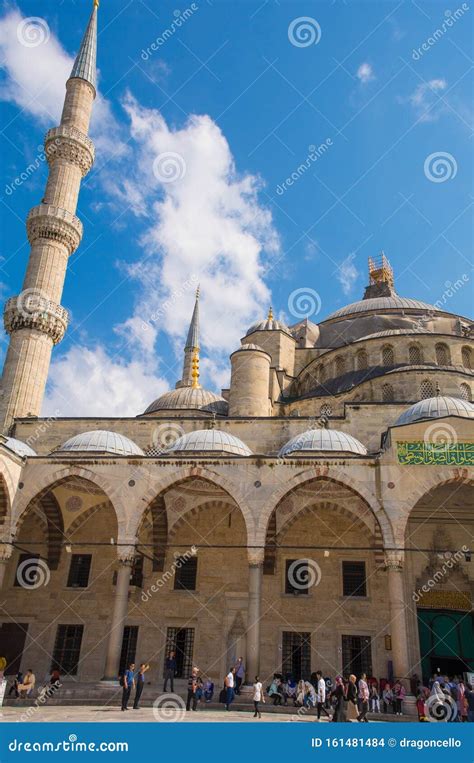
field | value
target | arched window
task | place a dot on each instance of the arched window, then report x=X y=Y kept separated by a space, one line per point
x=465 y=392
x=325 y=410
x=361 y=360
x=466 y=357
x=340 y=366
x=415 y=356
x=387 y=393
x=442 y=355
x=387 y=355
x=426 y=389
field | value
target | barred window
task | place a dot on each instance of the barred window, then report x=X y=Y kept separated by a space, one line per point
x=387 y=393
x=325 y=410
x=297 y=576
x=426 y=389
x=415 y=355
x=442 y=355
x=67 y=648
x=361 y=360
x=340 y=366
x=354 y=579
x=185 y=574
x=79 y=571
x=387 y=356
x=465 y=392
x=466 y=357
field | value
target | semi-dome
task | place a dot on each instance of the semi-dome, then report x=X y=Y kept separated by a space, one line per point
x=394 y=332
x=101 y=441
x=323 y=440
x=436 y=408
x=189 y=398
x=19 y=447
x=251 y=346
x=210 y=440
x=380 y=305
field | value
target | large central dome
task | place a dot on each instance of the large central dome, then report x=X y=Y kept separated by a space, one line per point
x=380 y=305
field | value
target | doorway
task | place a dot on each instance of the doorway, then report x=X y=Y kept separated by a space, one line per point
x=181 y=641
x=12 y=639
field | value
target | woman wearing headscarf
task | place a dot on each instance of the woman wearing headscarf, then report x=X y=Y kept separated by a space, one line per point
x=352 y=712
x=339 y=694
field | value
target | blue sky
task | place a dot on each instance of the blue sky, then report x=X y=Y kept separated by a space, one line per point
x=240 y=105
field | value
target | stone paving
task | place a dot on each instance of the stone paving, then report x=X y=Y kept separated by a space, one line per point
x=103 y=714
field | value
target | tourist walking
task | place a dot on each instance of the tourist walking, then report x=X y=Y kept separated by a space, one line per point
x=140 y=683
x=257 y=697
x=239 y=674
x=339 y=694
x=363 y=699
x=128 y=682
x=352 y=712
x=321 y=695
x=229 y=687
x=170 y=670
x=192 y=689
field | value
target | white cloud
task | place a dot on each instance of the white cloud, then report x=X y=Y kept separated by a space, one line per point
x=365 y=73
x=36 y=78
x=206 y=226
x=424 y=97
x=347 y=273
x=88 y=382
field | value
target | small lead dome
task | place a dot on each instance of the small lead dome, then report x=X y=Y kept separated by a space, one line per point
x=19 y=447
x=323 y=440
x=210 y=440
x=269 y=324
x=436 y=408
x=189 y=398
x=101 y=441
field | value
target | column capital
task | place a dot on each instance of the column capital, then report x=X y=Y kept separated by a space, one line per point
x=394 y=560
x=6 y=550
x=126 y=555
x=255 y=556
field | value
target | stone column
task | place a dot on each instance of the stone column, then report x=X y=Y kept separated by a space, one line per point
x=119 y=614
x=255 y=557
x=398 y=618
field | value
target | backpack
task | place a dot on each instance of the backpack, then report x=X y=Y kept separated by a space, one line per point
x=223 y=696
x=122 y=681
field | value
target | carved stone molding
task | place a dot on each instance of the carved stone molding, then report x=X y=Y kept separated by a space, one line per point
x=394 y=560
x=44 y=315
x=71 y=144
x=255 y=556
x=54 y=224
x=126 y=555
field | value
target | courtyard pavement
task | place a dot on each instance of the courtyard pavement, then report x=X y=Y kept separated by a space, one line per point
x=101 y=714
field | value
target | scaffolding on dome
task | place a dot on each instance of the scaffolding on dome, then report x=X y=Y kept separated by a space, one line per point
x=380 y=270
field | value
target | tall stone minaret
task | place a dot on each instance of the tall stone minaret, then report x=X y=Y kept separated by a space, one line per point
x=191 y=349
x=35 y=319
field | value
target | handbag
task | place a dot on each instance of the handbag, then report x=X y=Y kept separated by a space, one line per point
x=223 y=696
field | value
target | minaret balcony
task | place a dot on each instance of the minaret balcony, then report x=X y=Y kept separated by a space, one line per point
x=70 y=144
x=55 y=224
x=33 y=310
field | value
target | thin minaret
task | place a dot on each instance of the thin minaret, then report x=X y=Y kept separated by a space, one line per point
x=191 y=349
x=35 y=319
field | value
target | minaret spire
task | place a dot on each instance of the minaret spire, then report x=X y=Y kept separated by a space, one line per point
x=191 y=350
x=35 y=319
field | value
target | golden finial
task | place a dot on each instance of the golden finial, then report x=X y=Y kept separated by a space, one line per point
x=198 y=291
x=270 y=314
x=195 y=369
x=96 y=3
